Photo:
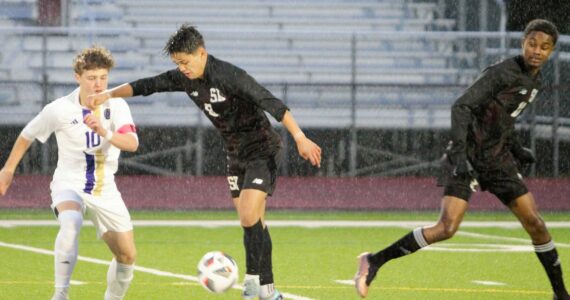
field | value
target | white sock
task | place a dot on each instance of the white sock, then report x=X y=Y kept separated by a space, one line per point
x=248 y=288
x=119 y=277
x=60 y=294
x=65 y=254
x=267 y=290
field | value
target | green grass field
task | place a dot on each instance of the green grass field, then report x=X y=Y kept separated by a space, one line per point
x=491 y=262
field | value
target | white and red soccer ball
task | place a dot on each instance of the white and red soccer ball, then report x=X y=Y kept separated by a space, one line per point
x=217 y=272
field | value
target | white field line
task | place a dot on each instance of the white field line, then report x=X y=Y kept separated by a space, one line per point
x=294 y=223
x=137 y=268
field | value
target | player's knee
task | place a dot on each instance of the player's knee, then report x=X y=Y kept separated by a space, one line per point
x=69 y=228
x=248 y=219
x=127 y=258
x=535 y=226
x=447 y=230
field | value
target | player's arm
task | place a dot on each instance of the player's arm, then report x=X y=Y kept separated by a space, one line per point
x=20 y=148
x=124 y=90
x=125 y=140
x=248 y=88
x=522 y=155
x=463 y=110
x=307 y=148
x=165 y=82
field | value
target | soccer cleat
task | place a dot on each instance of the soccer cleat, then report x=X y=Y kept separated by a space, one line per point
x=364 y=275
x=60 y=295
x=250 y=287
x=276 y=296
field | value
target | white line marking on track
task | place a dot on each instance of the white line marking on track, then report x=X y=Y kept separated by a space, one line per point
x=483 y=282
x=345 y=282
x=137 y=268
x=506 y=238
x=293 y=223
x=463 y=247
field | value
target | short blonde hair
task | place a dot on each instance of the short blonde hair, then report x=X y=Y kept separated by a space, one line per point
x=93 y=58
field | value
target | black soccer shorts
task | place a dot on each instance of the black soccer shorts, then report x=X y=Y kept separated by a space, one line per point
x=505 y=183
x=259 y=174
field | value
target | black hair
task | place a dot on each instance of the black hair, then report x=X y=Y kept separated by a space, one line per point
x=186 y=39
x=542 y=26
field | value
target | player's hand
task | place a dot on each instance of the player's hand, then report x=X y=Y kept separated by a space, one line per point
x=95 y=100
x=461 y=165
x=524 y=156
x=308 y=150
x=93 y=122
x=6 y=178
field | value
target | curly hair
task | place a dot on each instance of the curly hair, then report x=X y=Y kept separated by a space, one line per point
x=93 y=58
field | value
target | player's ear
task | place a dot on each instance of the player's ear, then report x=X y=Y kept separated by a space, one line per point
x=203 y=52
x=77 y=77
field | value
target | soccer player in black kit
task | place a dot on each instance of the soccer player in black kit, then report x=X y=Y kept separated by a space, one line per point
x=484 y=150
x=235 y=103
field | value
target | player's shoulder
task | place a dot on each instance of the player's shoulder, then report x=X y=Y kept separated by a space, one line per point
x=59 y=104
x=116 y=101
x=223 y=67
x=506 y=65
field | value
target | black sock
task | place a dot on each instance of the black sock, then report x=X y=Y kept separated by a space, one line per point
x=266 y=274
x=408 y=244
x=253 y=242
x=548 y=256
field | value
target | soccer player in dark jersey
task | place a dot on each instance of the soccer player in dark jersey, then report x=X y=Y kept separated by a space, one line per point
x=484 y=150
x=235 y=103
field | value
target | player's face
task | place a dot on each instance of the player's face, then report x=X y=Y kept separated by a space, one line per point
x=192 y=65
x=537 y=47
x=92 y=81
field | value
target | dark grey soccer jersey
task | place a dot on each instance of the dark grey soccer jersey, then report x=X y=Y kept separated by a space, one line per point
x=232 y=100
x=483 y=117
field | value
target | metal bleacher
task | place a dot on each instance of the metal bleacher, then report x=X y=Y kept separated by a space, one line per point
x=307 y=52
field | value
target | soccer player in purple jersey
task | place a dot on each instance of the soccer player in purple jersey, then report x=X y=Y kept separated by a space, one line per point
x=89 y=144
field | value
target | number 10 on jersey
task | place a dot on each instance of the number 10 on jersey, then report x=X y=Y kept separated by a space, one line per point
x=92 y=139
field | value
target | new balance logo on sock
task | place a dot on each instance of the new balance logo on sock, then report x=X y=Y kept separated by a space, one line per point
x=556 y=263
x=257 y=181
x=404 y=250
x=65 y=262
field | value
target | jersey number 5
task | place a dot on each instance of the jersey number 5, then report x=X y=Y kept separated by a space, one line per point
x=233 y=182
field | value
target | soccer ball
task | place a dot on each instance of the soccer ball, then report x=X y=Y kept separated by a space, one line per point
x=217 y=272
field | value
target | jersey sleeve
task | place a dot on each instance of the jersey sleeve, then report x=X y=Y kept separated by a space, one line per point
x=122 y=118
x=246 y=87
x=170 y=81
x=463 y=111
x=41 y=126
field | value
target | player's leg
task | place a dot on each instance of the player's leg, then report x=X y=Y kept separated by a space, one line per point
x=112 y=221
x=120 y=273
x=251 y=210
x=68 y=209
x=452 y=211
x=524 y=208
x=251 y=184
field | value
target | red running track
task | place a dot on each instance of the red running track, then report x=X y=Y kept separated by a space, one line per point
x=312 y=193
